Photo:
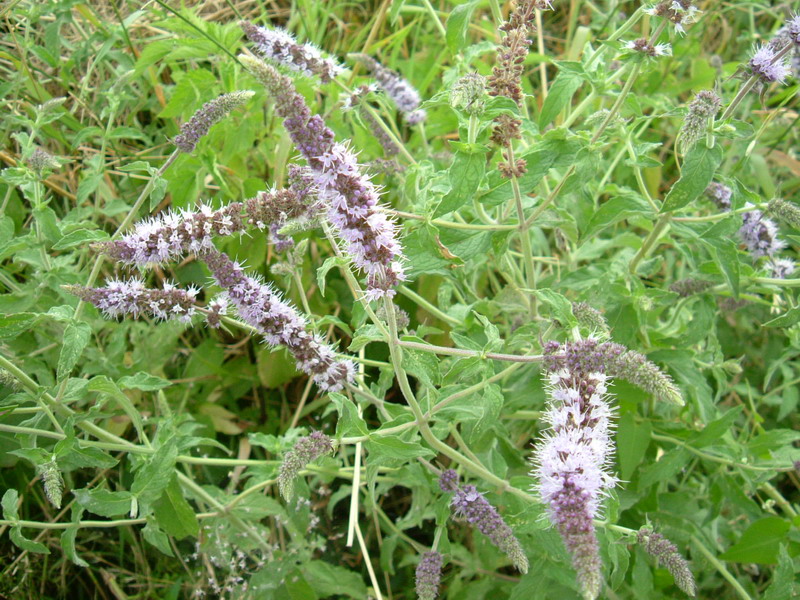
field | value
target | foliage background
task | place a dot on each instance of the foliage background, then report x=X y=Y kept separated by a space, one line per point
x=715 y=477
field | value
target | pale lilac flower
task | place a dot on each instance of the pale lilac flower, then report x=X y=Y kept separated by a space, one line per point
x=721 y=195
x=642 y=46
x=760 y=234
x=470 y=504
x=667 y=554
x=307 y=449
x=280 y=46
x=677 y=12
x=209 y=114
x=765 y=64
x=217 y=308
x=351 y=199
x=131 y=297
x=261 y=307
x=402 y=93
x=781 y=268
x=428 y=576
x=793 y=28
x=469 y=94
x=572 y=461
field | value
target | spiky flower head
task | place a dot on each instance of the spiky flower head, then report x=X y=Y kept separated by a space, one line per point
x=793 y=28
x=428 y=575
x=760 y=234
x=350 y=197
x=217 y=308
x=263 y=308
x=401 y=92
x=52 y=481
x=470 y=504
x=617 y=362
x=767 y=66
x=689 y=287
x=678 y=12
x=720 y=194
x=786 y=211
x=702 y=110
x=642 y=46
x=279 y=45
x=132 y=297
x=571 y=462
x=667 y=554
x=307 y=449
x=210 y=113
x=469 y=94
x=590 y=318
x=41 y=161
x=782 y=268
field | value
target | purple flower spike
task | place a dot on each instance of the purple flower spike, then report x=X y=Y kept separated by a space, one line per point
x=280 y=324
x=350 y=198
x=448 y=481
x=667 y=554
x=470 y=504
x=721 y=195
x=279 y=46
x=210 y=113
x=572 y=460
x=429 y=574
x=402 y=93
x=760 y=234
x=307 y=449
x=131 y=297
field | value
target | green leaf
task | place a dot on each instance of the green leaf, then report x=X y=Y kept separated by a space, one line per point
x=104 y=502
x=333 y=580
x=727 y=254
x=151 y=479
x=80 y=237
x=9 y=503
x=154 y=536
x=633 y=440
x=787 y=319
x=395 y=447
x=560 y=307
x=143 y=381
x=698 y=170
x=322 y=272
x=68 y=538
x=76 y=336
x=616 y=210
x=466 y=174
x=13 y=325
x=760 y=543
x=350 y=423
x=104 y=385
x=24 y=543
x=457 y=25
x=669 y=465
x=569 y=79
x=782 y=585
x=716 y=429
x=174 y=514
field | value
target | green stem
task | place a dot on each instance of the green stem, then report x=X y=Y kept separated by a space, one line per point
x=722 y=569
x=423 y=303
x=533 y=358
x=651 y=239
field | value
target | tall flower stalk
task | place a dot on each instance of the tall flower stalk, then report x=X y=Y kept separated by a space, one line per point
x=351 y=199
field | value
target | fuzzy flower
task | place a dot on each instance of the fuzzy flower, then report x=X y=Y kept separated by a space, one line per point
x=760 y=234
x=279 y=46
x=172 y=234
x=720 y=194
x=470 y=504
x=52 y=481
x=689 y=287
x=702 y=109
x=349 y=196
x=786 y=211
x=590 y=317
x=642 y=46
x=572 y=461
x=402 y=93
x=792 y=28
x=307 y=449
x=781 y=268
x=217 y=308
x=677 y=12
x=210 y=113
x=768 y=66
x=131 y=297
x=617 y=362
x=41 y=161
x=280 y=324
x=428 y=576
x=469 y=94
x=666 y=553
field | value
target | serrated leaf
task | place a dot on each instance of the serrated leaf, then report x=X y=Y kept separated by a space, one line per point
x=13 y=325
x=716 y=429
x=174 y=514
x=457 y=24
x=783 y=580
x=564 y=86
x=616 y=210
x=760 y=542
x=350 y=423
x=698 y=170
x=104 y=385
x=76 y=336
x=397 y=448
x=154 y=536
x=150 y=480
x=669 y=465
x=560 y=307
x=104 y=502
x=333 y=580
x=144 y=382
x=465 y=174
